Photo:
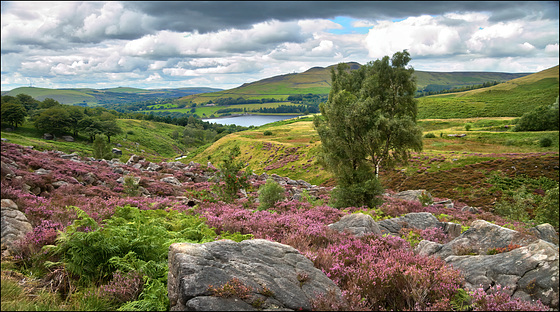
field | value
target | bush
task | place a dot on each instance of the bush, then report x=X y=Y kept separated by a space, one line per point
x=516 y=209
x=547 y=211
x=545 y=142
x=230 y=173
x=267 y=132
x=429 y=135
x=269 y=194
x=468 y=127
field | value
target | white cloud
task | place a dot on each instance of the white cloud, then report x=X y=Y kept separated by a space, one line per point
x=421 y=36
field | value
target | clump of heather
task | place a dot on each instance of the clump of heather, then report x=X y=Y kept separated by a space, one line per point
x=123 y=287
x=387 y=274
x=498 y=299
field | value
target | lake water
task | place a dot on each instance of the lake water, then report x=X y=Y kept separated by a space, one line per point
x=249 y=120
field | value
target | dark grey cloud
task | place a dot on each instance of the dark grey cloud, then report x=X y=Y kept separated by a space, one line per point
x=209 y=16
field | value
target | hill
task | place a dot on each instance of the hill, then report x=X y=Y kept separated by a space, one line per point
x=317 y=80
x=509 y=99
x=94 y=97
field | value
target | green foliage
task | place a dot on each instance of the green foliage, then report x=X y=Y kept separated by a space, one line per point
x=366 y=123
x=429 y=135
x=461 y=301
x=131 y=186
x=101 y=150
x=13 y=114
x=468 y=127
x=131 y=239
x=543 y=118
x=517 y=208
x=267 y=132
x=545 y=142
x=269 y=194
x=547 y=210
x=425 y=199
x=230 y=173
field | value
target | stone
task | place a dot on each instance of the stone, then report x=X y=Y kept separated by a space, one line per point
x=116 y=151
x=427 y=248
x=483 y=236
x=530 y=270
x=358 y=224
x=48 y=136
x=68 y=138
x=469 y=209
x=171 y=180
x=291 y=278
x=416 y=220
x=6 y=170
x=132 y=160
x=14 y=224
x=69 y=156
x=411 y=195
x=153 y=167
x=58 y=184
x=545 y=232
x=42 y=171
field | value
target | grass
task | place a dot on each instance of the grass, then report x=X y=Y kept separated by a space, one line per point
x=211 y=110
x=151 y=139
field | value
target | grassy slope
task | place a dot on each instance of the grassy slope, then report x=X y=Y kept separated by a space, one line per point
x=509 y=99
x=62 y=96
x=150 y=139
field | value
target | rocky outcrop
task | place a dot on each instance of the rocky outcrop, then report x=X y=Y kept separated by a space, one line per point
x=545 y=232
x=418 y=220
x=488 y=254
x=410 y=195
x=14 y=224
x=267 y=275
x=358 y=224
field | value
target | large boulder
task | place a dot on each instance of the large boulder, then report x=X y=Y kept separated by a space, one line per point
x=483 y=236
x=545 y=232
x=358 y=224
x=417 y=220
x=488 y=254
x=272 y=275
x=411 y=195
x=14 y=224
x=529 y=272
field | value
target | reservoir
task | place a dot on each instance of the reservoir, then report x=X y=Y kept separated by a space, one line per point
x=249 y=120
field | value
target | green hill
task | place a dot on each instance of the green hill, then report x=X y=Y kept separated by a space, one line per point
x=509 y=99
x=94 y=97
x=317 y=80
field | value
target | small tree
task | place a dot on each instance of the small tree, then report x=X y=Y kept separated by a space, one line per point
x=269 y=194
x=230 y=173
x=100 y=149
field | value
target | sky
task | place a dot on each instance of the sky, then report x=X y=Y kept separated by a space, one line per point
x=221 y=44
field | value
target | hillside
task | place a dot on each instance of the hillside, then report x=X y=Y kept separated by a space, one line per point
x=317 y=81
x=94 y=97
x=509 y=99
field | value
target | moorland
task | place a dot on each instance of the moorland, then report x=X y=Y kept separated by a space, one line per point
x=472 y=155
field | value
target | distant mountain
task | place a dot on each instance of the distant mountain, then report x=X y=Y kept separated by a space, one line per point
x=95 y=97
x=317 y=80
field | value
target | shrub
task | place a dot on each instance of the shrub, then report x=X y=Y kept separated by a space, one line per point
x=547 y=210
x=429 y=135
x=517 y=208
x=468 y=127
x=230 y=173
x=267 y=132
x=269 y=194
x=498 y=300
x=545 y=142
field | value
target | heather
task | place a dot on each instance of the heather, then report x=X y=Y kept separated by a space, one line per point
x=96 y=242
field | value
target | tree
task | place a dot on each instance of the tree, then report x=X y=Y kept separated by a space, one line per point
x=13 y=113
x=109 y=125
x=230 y=172
x=27 y=101
x=55 y=119
x=91 y=126
x=101 y=150
x=48 y=103
x=543 y=118
x=368 y=121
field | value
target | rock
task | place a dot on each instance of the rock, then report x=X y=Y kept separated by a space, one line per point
x=291 y=279
x=427 y=248
x=545 y=232
x=14 y=224
x=530 y=271
x=357 y=223
x=68 y=138
x=171 y=180
x=483 y=236
x=69 y=156
x=6 y=170
x=469 y=209
x=58 y=184
x=48 y=136
x=5 y=140
x=153 y=167
x=42 y=171
x=411 y=195
x=447 y=203
x=116 y=151
x=133 y=159
x=118 y=145
x=452 y=230
x=417 y=220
